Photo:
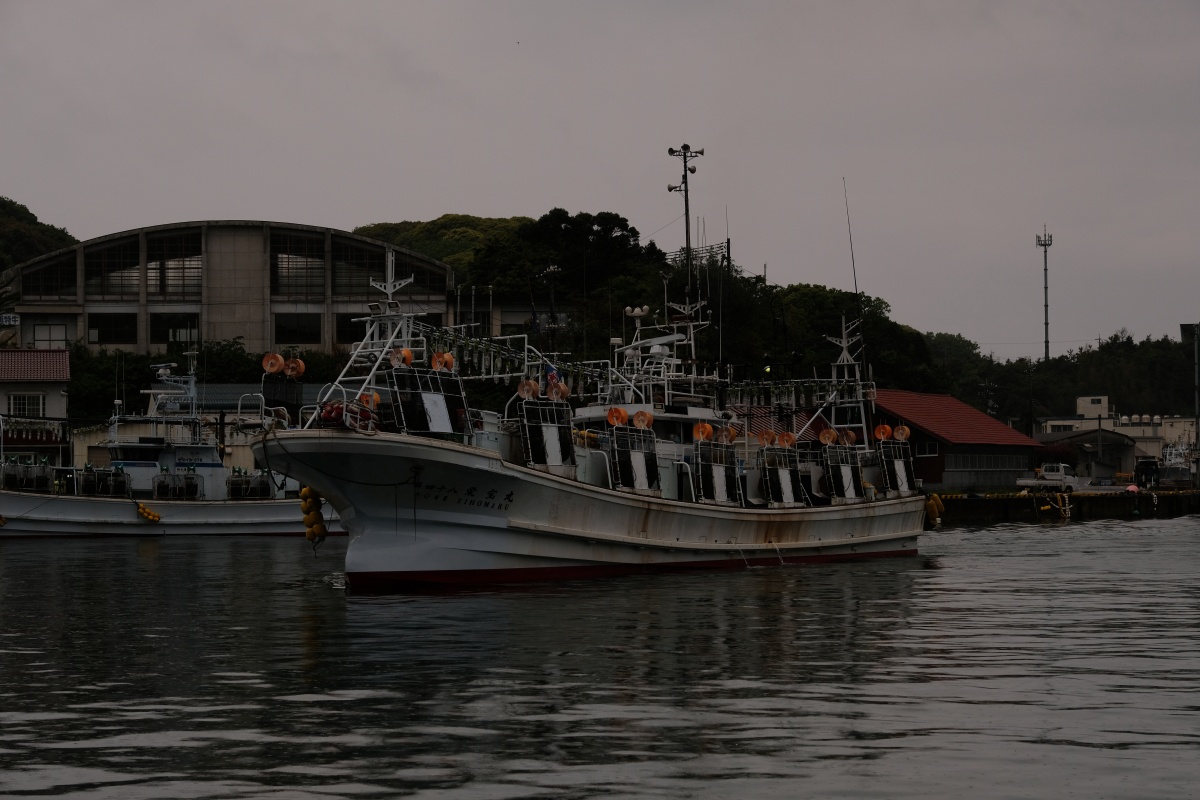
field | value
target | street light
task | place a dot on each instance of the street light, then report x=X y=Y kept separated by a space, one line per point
x=685 y=154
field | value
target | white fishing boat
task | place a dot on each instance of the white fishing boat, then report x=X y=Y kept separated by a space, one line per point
x=640 y=462
x=165 y=475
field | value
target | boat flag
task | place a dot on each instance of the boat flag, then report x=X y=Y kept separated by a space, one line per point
x=552 y=376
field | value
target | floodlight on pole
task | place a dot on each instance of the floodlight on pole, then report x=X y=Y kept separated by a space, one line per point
x=1044 y=241
x=685 y=154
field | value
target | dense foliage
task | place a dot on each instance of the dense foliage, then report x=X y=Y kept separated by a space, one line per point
x=22 y=237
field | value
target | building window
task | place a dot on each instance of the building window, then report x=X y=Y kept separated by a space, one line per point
x=297 y=329
x=348 y=331
x=355 y=264
x=925 y=448
x=50 y=337
x=53 y=280
x=112 y=271
x=112 y=328
x=26 y=405
x=174 y=265
x=168 y=329
x=297 y=264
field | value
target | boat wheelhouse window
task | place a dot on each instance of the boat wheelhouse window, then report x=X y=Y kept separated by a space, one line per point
x=49 y=337
x=297 y=264
x=112 y=271
x=347 y=331
x=55 y=279
x=112 y=328
x=174 y=264
x=26 y=405
x=355 y=264
x=297 y=329
x=174 y=328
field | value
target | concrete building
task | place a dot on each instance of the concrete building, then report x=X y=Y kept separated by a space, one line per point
x=276 y=285
x=1148 y=432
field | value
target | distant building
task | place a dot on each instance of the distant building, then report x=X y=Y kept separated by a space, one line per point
x=276 y=285
x=1140 y=435
x=956 y=446
x=33 y=406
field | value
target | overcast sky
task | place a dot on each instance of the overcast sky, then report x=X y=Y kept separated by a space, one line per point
x=960 y=128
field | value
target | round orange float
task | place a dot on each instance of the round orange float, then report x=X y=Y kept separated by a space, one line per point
x=272 y=363
x=617 y=416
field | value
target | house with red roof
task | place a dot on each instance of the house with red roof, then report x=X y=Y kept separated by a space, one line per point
x=955 y=446
x=33 y=405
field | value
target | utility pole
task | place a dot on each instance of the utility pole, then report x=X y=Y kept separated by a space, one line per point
x=1044 y=241
x=685 y=154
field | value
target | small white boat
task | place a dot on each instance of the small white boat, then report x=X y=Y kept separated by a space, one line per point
x=165 y=476
x=634 y=463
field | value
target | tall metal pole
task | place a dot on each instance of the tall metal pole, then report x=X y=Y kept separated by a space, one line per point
x=1044 y=241
x=685 y=154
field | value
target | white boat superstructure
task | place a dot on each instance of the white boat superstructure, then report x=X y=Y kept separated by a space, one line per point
x=643 y=461
x=165 y=475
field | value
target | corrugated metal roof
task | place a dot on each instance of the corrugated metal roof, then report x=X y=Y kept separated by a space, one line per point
x=35 y=365
x=948 y=419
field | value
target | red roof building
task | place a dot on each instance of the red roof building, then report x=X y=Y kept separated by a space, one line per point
x=954 y=445
x=33 y=406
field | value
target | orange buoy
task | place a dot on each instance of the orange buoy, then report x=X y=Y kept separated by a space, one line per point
x=787 y=439
x=617 y=416
x=527 y=390
x=437 y=360
x=293 y=368
x=643 y=420
x=272 y=363
x=828 y=436
x=849 y=437
x=766 y=438
x=559 y=391
x=401 y=357
x=730 y=433
x=883 y=431
x=901 y=433
x=369 y=400
x=702 y=431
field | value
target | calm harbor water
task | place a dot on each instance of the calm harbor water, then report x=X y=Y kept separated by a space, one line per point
x=1012 y=661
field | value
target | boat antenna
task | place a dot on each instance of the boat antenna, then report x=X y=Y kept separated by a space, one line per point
x=853 y=267
x=867 y=427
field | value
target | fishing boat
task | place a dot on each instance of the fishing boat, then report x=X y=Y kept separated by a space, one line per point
x=165 y=475
x=643 y=461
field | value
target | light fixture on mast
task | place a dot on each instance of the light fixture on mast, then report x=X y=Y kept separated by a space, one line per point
x=685 y=154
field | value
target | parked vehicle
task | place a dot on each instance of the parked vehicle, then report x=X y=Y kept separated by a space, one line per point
x=1053 y=478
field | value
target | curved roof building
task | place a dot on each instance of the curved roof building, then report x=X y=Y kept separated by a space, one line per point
x=276 y=285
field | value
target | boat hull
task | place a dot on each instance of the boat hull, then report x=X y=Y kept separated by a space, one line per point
x=423 y=511
x=29 y=514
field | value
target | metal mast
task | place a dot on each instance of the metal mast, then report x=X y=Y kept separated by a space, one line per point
x=1044 y=241
x=685 y=154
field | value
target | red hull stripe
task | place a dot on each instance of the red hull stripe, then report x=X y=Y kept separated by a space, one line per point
x=385 y=582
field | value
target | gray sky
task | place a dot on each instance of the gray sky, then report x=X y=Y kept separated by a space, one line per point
x=960 y=129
